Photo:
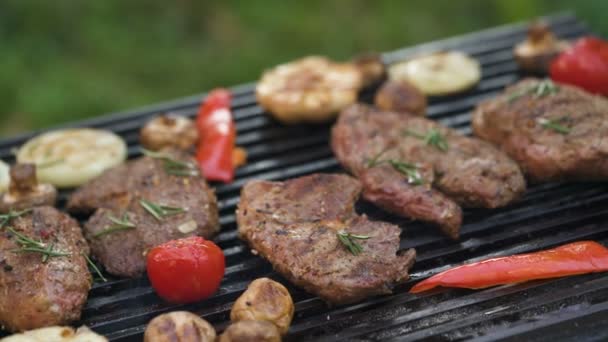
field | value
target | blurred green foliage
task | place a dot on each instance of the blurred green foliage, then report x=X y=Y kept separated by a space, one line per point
x=65 y=60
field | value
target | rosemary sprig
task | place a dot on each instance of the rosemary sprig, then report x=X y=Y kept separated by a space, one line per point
x=120 y=224
x=171 y=165
x=407 y=169
x=348 y=240
x=94 y=267
x=6 y=218
x=29 y=245
x=160 y=211
x=541 y=89
x=554 y=125
x=433 y=137
x=375 y=160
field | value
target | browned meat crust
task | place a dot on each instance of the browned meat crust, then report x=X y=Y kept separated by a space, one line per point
x=294 y=224
x=469 y=172
x=35 y=294
x=514 y=122
x=119 y=191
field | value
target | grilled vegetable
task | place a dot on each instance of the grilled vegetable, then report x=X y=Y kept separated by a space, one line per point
x=25 y=192
x=179 y=326
x=585 y=64
x=217 y=136
x=536 y=52
x=311 y=89
x=371 y=67
x=71 y=157
x=442 y=73
x=571 y=259
x=169 y=131
x=246 y=331
x=185 y=270
x=56 y=334
x=401 y=96
x=4 y=176
x=265 y=300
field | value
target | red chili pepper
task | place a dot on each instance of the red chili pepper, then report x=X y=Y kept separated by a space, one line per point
x=585 y=64
x=571 y=259
x=217 y=136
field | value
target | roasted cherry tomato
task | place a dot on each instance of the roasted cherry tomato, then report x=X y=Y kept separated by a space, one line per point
x=585 y=64
x=186 y=270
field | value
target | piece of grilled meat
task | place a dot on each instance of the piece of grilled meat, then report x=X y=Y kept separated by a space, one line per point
x=554 y=131
x=298 y=225
x=417 y=168
x=117 y=195
x=38 y=291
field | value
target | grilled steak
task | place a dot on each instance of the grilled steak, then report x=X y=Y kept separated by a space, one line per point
x=415 y=167
x=554 y=132
x=296 y=225
x=34 y=292
x=117 y=196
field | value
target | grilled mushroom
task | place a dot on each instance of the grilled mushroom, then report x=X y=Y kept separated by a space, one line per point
x=371 y=67
x=169 y=131
x=246 y=331
x=401 y=96
x=179 y=326
x=540 y=47
x=24 y=190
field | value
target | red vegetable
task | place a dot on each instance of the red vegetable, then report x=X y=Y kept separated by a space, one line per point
x=571 y=259
x=585 y=64
x=217 y=136
x=186 y=270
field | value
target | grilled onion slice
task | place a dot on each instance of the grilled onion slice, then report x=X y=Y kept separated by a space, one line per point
x=442 y=73
x=71 y=157
x=4 y=176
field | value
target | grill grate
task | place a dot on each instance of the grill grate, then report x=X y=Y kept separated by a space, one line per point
x=549 y=215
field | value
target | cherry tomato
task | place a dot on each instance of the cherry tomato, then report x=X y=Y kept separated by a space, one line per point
x=585 y=64
x=186 y=270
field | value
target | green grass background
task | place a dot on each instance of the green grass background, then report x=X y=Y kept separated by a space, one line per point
x=67 y=60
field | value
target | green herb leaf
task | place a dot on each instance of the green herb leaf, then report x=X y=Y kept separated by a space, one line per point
x=407 y=169
x=376 y=159
x=348 y=240
x=6 y=218
x=433 y=137
x=554 y=125
x=541 y=89
x=160 y=211
x=120 y=224
x=29 y=245
x=173 y=166
x=94 y=267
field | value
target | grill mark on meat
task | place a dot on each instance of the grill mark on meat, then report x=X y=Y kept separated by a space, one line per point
x=543 y=154
x=118 y=191
x=471 y=173
x=300 y=237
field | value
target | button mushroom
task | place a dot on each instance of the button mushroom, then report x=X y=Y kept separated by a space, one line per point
x=540 y=47
x=169 y=131
x=246 y=331
x=179 y=326
x=371 y=67
x=265 y=300
x=25 y=192
x=401 y=96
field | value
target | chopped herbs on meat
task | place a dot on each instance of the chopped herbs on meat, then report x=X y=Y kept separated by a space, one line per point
x=6 y=218
x=173 y=166
x=160 y=211
x=554 y=125
x=433 y=137
x=28 y=245
x=348 y=240
x=94 y=267
x=407 y=169
x=541 y=89
x=120 y=224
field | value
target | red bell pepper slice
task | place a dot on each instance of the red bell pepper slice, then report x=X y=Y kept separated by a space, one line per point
x=217 y=136
x=570 y=259
x=585 y=65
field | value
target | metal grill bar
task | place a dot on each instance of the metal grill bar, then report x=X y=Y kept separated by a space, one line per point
x=549 y=215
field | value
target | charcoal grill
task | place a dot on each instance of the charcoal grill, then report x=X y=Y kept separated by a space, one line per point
x=549 y=215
